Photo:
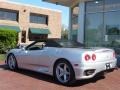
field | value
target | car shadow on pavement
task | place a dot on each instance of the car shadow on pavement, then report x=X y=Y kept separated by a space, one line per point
x=37 y=75
x=32 y=74
x=87 y=81
x=50 y=79
x=3 y=67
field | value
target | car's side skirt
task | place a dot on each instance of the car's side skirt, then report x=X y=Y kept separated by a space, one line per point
x=37 y=68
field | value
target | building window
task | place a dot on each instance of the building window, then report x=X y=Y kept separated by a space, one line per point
x=6 y=14
x=94 y=6
x=38 y=18
x=94 y=29
x=111 y=5
x=35 y=37
x=23 y=40
x=102 y=23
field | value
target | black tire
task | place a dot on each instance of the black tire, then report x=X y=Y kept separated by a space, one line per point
x=15 y=67
x=71 y=76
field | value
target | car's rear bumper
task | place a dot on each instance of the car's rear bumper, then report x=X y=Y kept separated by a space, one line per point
x=90 y=70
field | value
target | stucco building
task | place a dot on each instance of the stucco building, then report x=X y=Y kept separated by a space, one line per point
x=93 y=22
x=31 y=22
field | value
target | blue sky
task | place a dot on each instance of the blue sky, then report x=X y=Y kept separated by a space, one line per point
x=64 y=10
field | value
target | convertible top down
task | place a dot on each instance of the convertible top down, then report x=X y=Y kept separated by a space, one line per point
x=65 y=60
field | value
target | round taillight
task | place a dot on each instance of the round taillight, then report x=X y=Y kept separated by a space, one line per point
x=93 y=57
x=87 y=57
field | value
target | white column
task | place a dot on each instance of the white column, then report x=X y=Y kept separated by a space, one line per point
x=81 y=22
x=70 y=23
x=19 y=37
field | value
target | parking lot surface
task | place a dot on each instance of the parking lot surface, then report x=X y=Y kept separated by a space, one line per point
x=28 y=80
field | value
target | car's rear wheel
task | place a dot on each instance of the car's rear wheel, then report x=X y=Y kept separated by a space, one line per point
x=64 y=73
x=11 y=62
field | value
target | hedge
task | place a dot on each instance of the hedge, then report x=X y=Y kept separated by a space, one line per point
x=8 y=39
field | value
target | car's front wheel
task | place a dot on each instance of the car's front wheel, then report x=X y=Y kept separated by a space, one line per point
x=64 y=73
x=11 y=62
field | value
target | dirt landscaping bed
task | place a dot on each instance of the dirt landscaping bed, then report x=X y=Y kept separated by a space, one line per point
x=27 y=80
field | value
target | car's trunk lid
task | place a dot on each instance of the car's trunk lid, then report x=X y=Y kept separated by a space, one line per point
x=102 y=54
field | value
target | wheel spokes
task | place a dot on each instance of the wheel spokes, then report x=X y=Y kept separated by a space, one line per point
x=11 y=62
x=65 y=67
x=63 y=72
x=67 y=73
x=61 y=69
x=65 y=77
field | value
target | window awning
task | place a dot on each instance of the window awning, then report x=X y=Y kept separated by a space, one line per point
x=39 y=31
x=6 y=27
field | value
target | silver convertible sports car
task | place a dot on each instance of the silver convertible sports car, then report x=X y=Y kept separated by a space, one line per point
x=66 y=61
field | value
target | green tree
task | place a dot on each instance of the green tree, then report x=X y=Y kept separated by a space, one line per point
x=8 y=39
x=64 y=33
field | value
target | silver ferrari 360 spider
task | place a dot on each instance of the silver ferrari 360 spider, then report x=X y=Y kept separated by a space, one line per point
x=66 y=61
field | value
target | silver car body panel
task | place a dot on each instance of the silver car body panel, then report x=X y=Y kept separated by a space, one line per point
x=43 y=60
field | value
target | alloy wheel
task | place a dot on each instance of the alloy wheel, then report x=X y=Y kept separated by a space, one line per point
x=11 y=62
x=63 y=72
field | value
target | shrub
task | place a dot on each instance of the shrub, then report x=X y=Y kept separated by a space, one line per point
x=8 y=39
x=64 y=34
